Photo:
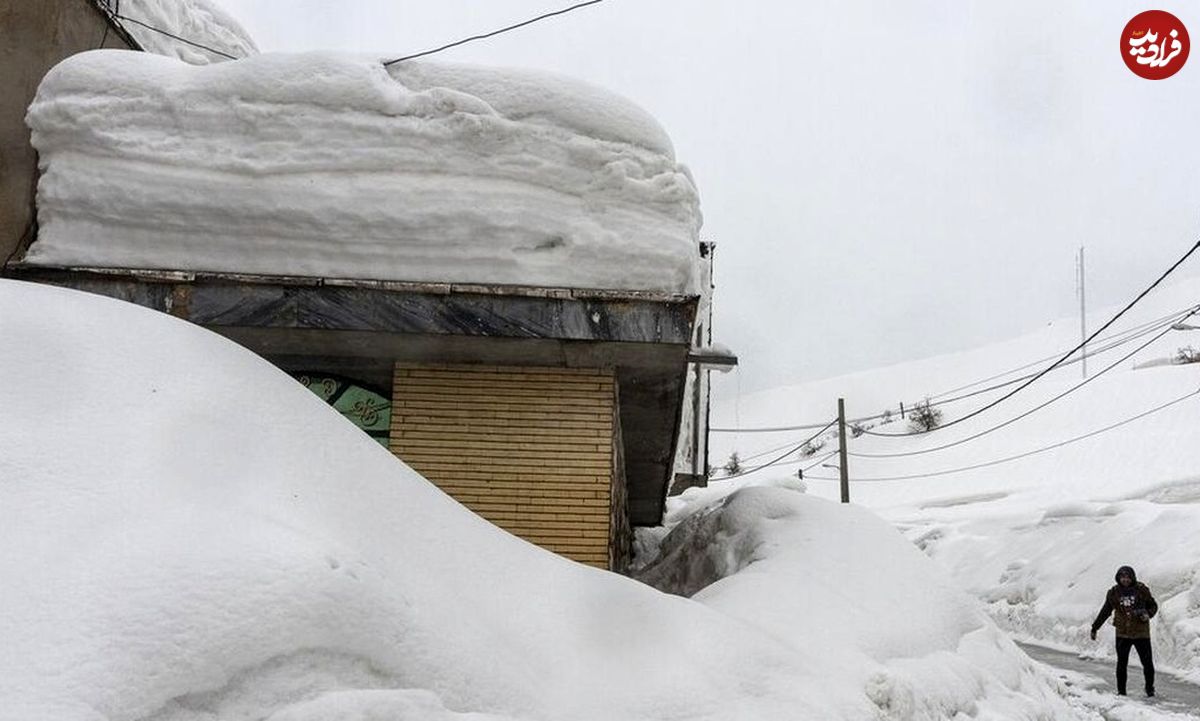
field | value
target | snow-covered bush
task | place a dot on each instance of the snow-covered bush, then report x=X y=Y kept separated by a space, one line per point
x=925 y=417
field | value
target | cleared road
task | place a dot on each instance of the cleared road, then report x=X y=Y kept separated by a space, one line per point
x=1173 y=695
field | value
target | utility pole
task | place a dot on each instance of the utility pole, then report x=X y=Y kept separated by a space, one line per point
x=843 y=469
x=1082 y=315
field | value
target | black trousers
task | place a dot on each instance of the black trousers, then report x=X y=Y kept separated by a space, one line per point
x=1145 y=655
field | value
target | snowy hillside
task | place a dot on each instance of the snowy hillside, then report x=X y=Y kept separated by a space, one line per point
x=1034 y=516
x=189 y=534
x=335 y=166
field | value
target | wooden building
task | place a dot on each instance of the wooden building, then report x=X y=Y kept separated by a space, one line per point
x=552 y=412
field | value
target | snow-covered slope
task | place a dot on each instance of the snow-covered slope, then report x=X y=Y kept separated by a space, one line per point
x=334 y=166
x=1038 y=537
x=189 y=531
x=844 y=590
x=188 y=534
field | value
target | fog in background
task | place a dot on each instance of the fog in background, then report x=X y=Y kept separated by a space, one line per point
x=884 y=181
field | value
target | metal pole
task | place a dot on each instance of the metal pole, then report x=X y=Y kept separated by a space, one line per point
x=1082 y=315
x=843 y=469
x=696 y=472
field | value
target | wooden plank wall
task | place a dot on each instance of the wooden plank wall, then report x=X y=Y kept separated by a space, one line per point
x=530 y=449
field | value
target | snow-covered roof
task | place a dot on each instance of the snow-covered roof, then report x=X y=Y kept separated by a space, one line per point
x=330 y=165
x=202 y=22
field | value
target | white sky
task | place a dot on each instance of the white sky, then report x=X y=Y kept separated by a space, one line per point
x=884 y=181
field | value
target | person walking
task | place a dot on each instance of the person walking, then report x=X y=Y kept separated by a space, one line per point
x=1132 y=607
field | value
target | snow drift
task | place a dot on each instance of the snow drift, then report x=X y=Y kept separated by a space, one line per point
x=334 y=166
x=1039 y=538
x=852 y=598
x=189 y=534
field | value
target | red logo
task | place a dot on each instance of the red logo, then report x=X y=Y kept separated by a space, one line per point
x=1155 y=45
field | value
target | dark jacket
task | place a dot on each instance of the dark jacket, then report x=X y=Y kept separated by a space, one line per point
x=1131 y=618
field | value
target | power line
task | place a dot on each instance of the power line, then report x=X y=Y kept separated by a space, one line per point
x=1133 y=332
x=915 y=476
x=1114 y=341
x=820 y=460
x=804 y=427
x=1029 y=412
x=222 y=53
x=1060 y=361
x=769 y=451
x=464 y=41
x=776 y=460
x=1163 y=324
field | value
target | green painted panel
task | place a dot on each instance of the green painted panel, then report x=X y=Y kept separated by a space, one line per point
x=365 y=408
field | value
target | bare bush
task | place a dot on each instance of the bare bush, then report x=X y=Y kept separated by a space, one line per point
x=924 y=417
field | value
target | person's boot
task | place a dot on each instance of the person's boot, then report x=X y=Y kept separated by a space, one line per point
x=1150 y=692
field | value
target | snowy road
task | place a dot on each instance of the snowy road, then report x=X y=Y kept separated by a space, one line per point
x=1092 y=683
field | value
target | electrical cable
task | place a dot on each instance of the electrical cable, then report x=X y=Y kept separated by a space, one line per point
x=820 y=460
x=1162 y=324
x=1114 y=341
x=464 y=41
x=805 y=427
x=767 y=452
x=776 y=460
x=915 y=476
x=222 y=53
x=1134 y=330
x=1060 y=361
x=1031 y=411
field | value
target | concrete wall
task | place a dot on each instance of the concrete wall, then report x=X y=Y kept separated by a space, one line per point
x=34 y=36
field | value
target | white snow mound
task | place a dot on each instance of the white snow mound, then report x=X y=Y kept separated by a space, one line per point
x=1039 y=538
x=189 y=534
x=328 y=165
x=853 y=599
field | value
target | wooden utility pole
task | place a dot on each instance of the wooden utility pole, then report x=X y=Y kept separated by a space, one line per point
x=843 y=468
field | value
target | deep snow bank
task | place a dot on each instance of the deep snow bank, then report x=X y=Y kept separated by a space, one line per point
x=189 y=534
x=330 y=165
x=203 y=22
x=1039 y=538
x=1043 y=573
x=853 y=598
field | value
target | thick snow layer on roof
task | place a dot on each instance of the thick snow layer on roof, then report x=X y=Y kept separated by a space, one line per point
x=189 y=534
x=203 y=22
x=330 y=165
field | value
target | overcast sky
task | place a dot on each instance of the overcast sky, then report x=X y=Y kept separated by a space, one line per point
x=884 y=180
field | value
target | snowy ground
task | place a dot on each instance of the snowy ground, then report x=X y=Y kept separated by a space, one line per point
x=1036 y=538
x=1090 y=684
x=191 y=535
